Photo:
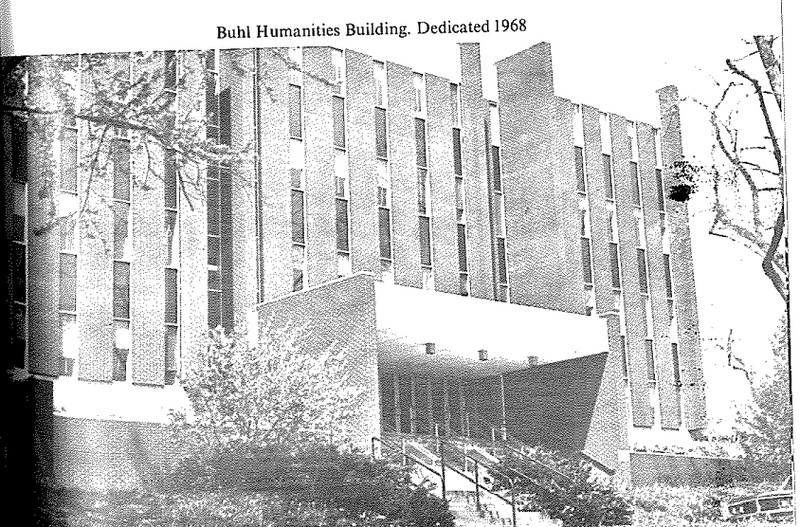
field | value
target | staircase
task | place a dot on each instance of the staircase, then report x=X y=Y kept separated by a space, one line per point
x=478 y=494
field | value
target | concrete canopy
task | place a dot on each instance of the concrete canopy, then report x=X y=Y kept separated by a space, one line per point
x=408 y=318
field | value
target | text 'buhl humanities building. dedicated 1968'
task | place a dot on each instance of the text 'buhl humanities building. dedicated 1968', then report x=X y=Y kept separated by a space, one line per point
x=509 y=264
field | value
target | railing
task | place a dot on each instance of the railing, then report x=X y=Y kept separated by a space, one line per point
x=448 y=458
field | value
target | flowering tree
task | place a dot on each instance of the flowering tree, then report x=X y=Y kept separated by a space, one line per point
x=281 y=392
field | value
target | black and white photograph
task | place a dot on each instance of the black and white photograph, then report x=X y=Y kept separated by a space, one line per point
x=409 y=265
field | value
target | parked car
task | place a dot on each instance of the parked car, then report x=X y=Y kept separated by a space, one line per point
x=774 y=505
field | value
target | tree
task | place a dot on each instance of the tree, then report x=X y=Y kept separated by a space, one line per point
x=765 y=428
x=746 y=171
x=283 y=392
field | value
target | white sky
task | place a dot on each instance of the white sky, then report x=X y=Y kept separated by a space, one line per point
x=612 y=55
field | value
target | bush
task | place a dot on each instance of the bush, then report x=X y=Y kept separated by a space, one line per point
x=567 y=491
x=359 y=488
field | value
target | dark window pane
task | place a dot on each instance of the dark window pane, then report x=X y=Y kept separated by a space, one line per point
x=171 y=235
x=422 y=155
x=298 y=217
x=295 y=112
x=121 y=231
x=213 y=251
x=586 y=253
x=68 y=278
x=170 y=180
x=225 y=117
x=457 y=151
x=579 y=169
x=214 y=280
x=18 y=274
x=69 y=160
x=650 y=359
x=422 y=191
x=338 y=122
x=660 y=189
x=170 y=70
x=214 y=319
x=637 y=195
x=384 y=228
x=20 y=212
x=297 y=283
x=122 y=274
x=425 y=240
x=210 y=57
x=676 y=365
x=120 y=366
x=19 y=148
x=380 y=133
x=462 y=247
x=498 y=184
x=502 y=272
x=607 y=176
x=171 y=296
x=213 y=206
x=122 y=169
x=170 y=353
x=454 y=104
x=668 y=275
x=212 y=107
x=642 y=270
x=613 y=251
x=342 y=229
x=624 y=349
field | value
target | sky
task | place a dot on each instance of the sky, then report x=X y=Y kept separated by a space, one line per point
x=612 y=55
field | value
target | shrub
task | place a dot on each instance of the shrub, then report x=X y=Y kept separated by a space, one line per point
x=565 y=489
x=359 y=488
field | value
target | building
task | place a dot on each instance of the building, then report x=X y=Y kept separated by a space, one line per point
x=509 y=264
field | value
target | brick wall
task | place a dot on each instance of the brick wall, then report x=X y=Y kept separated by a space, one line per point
x=648 y=468
x=360 y=126
x=320 y=186
x=689 y=347
x=442 y=184
x=540 y=263
x=340 y=312
x=402 y=165
x=474 y=116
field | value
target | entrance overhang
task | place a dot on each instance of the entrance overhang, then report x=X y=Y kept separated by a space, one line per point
x=412 y=323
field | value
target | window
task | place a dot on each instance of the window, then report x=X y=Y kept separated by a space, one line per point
x=605 y=134
x=586 y=255
x=342 y=226
x=387 y=271
x=419 y=94
x=607 y=176
x=460 y=206
x=425 y=240
x=68 y=276
x=455 y=105
x=427 y=278
x=122 y=276
x=641 y=257
x=122 y=347
x=69 y=160
x=676 y=365
x=501 y=259
x=496 y=175
x=579 y=172
x=647 y=314
x=338 y=122
x=457 y=151
x=494 y=123
x=637 y=192
x=298 y=217
x=170 y=70
x=623 y=347
x=650 y=359
x=462 y=247
x=668 y=275
x=633 y=143
x=381 y=147
x=295 y=112
x=379 y=72
x=171 y=264
x=660 y=189
x=423 y=192
x=122 y=256
x=422 y=156
x=299 y=280
x=577 y=124
x=67 y=209
x=613 y=250
x=339 y=72
x=385 y=233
